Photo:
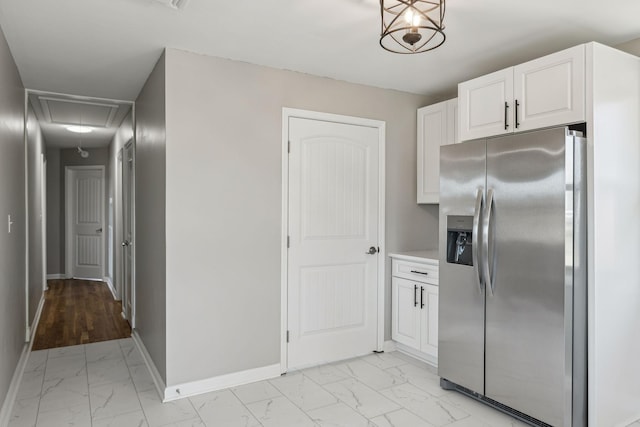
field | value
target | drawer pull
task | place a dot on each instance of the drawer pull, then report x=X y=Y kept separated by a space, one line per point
x=415 y=297
x=421 y=297
x=419 y=272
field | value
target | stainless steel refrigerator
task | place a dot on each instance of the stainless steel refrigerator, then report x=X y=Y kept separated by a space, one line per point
x=512 y=325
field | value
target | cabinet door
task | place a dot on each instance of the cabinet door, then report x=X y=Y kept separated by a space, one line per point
x=453 y=133
x=432 y=133
x=429 y=320
x=550 y=90
x=405 y=319
x=486 y=105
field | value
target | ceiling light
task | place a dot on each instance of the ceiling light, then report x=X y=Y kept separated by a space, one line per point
x=83 y=153
x=412 y=26
x=80 y=129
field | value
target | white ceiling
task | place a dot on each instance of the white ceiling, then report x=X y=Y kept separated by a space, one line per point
x=107 y=48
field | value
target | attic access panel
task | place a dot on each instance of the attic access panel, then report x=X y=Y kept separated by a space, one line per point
x=73 y=112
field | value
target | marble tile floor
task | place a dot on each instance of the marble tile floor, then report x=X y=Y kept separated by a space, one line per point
x=107 y=384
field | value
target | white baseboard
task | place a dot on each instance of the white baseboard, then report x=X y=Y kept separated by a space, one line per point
x=155 y=374
x=12 y=393
x=109 y=283
x=56 y=276
x=31 y=330
x=221 y=382
x=433 y=361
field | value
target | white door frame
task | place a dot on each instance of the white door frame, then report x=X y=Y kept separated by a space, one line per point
x=67 y=216
x=43 y=219
x=288 y=113
x=132 y=247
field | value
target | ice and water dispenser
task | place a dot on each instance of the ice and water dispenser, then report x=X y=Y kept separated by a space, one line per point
x=459 y=239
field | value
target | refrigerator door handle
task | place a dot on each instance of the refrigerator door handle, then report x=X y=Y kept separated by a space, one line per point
x=486 y=221
x=476 y=234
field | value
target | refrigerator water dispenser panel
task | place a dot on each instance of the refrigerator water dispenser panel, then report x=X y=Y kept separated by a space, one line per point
x=459 y=239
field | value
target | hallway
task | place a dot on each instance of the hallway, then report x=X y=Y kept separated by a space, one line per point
x=79 y=312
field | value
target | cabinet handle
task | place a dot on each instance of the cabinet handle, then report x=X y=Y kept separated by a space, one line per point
x=506 y=114
x=421 y=297
x=419 y=272
x=415 y=297
x=517 y=122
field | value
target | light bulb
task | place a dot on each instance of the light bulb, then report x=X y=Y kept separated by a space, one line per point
x=412 y=18
x=409 y=16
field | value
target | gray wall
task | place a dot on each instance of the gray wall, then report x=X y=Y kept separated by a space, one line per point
x=12 y=202
x=150 y=236
x=223 y=190
x=35 y=150
x=61 y=158
x=631 y=46
x=55 y=262
x=114 y=197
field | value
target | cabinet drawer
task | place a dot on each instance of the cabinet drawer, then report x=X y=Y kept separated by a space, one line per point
x=418 y=272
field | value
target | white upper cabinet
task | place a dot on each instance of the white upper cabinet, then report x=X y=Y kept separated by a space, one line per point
x=484 y=105
x=545 y=92
x=453 y=131
x=437 y=126
x=550 y=90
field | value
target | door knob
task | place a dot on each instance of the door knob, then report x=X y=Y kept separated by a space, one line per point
x=99 y=230
x=372 y=251
x=125 y=243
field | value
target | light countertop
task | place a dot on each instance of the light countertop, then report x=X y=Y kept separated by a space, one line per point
x=416 y=256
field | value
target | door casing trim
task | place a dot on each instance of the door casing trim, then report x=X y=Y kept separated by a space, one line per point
x=288 y=113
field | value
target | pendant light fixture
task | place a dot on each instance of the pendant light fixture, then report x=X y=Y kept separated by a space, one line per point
x=412 y=26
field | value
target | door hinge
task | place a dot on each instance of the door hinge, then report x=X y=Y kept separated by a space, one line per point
x=287 y=336
x=288 y=146
x=288 y=242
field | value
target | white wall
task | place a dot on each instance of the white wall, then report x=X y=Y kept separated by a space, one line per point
x=35 y=151
x=114 y=196
x=223 y=202
x=12 y=202
x=614 y=270
x=149 y=242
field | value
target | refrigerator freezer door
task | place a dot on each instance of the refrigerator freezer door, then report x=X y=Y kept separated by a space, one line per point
x=461 y=319
x=530 y=262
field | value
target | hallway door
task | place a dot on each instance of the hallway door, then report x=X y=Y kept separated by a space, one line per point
x=85 y=195
x=334 y=213
x=127 y=234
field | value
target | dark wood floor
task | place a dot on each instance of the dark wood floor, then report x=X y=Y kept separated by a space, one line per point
x=79 y=312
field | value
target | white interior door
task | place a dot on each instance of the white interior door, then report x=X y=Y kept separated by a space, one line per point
x=127 y=222
x=85 y=222
x=333 y=222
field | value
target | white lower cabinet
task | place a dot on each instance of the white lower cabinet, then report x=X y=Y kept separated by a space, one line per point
x=414 y=306
x=429 y=320
x=406 y=319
